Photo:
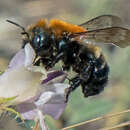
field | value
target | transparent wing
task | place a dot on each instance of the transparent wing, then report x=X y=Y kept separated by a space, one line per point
x=114 y=35
x=103 y=21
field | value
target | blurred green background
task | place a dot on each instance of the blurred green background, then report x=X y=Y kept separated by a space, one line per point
x=116 y=95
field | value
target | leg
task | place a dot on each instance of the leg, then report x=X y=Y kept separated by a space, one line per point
x=55 y=59
x=43 y=61
x=65 y=67
x=79 y=79
x=75 y=82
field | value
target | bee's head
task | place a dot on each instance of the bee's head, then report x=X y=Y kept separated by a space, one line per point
x=38 y=37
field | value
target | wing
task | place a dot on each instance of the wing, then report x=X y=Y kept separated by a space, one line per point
x=114 y=35
x=103 y=21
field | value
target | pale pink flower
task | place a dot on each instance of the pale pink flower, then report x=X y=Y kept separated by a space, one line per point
x=35 y=92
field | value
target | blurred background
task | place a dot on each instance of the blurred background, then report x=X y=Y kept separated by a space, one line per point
x=116 y=95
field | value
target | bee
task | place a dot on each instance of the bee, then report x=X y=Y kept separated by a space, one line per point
x=77 y=47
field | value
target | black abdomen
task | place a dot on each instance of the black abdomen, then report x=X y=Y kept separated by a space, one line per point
x=92 y=72
x=97 y=79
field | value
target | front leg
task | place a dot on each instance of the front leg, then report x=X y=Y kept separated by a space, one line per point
x=55 y=59
x=43 y=61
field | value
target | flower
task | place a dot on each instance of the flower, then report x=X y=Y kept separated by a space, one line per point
x=49 y=99
x=37 y=92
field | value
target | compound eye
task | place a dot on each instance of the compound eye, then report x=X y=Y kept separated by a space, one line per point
x=36 y=41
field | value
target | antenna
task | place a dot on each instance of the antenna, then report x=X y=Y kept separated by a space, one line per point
x=24 y=32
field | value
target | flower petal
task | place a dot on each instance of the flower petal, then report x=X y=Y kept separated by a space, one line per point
x=54 y=110
x=54 y=75
x=17 y=60
x=44 y=98
x=24 y=57
x=17 y=80
x=50 y=102
x=28 y=111
x=29 y=55
x=56 y=105
x=42 y=121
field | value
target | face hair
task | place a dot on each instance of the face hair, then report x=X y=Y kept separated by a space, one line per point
x=24 y=32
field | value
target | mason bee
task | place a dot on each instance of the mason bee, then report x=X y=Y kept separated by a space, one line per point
x=76 y=46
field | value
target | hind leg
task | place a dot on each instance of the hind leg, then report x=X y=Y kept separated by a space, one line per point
x=77 y=81
x=74 y=83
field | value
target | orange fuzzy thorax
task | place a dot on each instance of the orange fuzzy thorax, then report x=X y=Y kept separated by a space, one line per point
x=57 y=26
